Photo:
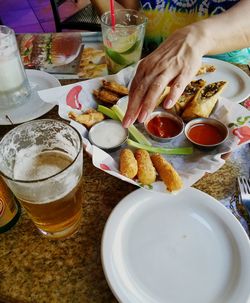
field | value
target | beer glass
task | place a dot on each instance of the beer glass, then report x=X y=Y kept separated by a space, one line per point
x=42 y=161
x=14 y=85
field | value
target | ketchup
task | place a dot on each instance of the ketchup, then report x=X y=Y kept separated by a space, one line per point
x=164 y=127
x=205 y=134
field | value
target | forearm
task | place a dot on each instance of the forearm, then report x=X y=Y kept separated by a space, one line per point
x=227 y=31
x=103 y=6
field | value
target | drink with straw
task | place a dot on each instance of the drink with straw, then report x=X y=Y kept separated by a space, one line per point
x=123 y=40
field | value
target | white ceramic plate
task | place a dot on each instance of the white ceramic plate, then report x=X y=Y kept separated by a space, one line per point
x=159 y=248
x=35 y=107
x=238 y=88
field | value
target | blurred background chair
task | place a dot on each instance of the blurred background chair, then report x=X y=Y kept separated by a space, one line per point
x=85 y=19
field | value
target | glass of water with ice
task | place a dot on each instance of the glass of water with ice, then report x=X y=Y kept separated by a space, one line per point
x=14 y=85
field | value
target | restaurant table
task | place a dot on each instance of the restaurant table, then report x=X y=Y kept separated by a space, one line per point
x=34 y=269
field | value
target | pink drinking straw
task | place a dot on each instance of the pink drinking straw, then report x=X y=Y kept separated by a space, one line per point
x=112 y=10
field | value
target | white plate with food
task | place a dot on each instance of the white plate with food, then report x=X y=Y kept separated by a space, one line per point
x=174 y=249
x=35 y=107
x=238 y=88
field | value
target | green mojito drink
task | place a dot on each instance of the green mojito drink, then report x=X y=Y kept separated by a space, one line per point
x=123 y=43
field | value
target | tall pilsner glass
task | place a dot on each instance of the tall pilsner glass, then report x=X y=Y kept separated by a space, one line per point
x=14 y=85
x=42 y=162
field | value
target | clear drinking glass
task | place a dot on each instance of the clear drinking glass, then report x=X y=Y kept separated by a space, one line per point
x=14 y=85
x=42 y=161
x=123 y=44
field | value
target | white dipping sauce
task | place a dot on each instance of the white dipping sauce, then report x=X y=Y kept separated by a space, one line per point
x=108 y=134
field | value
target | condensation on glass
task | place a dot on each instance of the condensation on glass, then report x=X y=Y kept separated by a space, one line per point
x=14 y=85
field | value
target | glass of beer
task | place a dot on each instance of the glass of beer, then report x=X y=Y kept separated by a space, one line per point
x=42 y=162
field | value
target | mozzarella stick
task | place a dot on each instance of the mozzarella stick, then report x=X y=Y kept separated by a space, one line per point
x=146 y=171
x=128 y=164
x=167 y=173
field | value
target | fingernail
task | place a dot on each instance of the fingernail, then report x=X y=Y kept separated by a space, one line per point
x=143 y=116
x=126 y=123
x=168 y=104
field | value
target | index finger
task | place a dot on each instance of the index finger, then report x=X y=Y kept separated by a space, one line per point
x=136 y=95
x=133 y=109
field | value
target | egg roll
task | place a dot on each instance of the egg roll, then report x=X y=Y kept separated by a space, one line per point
x=187 y=96
x=204 y=102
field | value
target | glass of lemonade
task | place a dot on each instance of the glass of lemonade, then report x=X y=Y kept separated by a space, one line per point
x=123 y=43
x=42 y=161
x=14 y=85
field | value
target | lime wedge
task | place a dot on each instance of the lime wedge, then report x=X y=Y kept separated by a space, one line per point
x=132 y=48
x=116 y=57
x=123 y=43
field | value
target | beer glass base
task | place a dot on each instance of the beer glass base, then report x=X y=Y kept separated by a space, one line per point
x=62 y=234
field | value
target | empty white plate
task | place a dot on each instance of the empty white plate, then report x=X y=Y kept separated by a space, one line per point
x=35 y=107
x=184 y=248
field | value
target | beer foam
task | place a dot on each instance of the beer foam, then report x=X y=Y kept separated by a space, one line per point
x=31 y=167
x=45 y=165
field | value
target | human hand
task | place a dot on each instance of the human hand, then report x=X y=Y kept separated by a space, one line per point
x=174 y=63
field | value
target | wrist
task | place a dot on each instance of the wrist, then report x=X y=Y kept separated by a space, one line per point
x=202 y=38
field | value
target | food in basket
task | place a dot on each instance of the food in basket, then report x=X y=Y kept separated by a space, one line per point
x=89 y=118
x=190 y=89
x=110 y=92
x=204 y=101
x=115 y=87
x=167 y=173
x=128 y=164
x=146 y=171
x=206 y=68
x=189 y=93
x=143 y=167
x=106 y=96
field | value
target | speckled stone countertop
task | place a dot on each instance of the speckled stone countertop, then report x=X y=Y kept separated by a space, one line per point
x=34 y=269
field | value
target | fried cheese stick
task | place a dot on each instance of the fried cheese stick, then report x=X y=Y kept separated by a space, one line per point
x=128 y=164
x=167 y=173
x=146 y=171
